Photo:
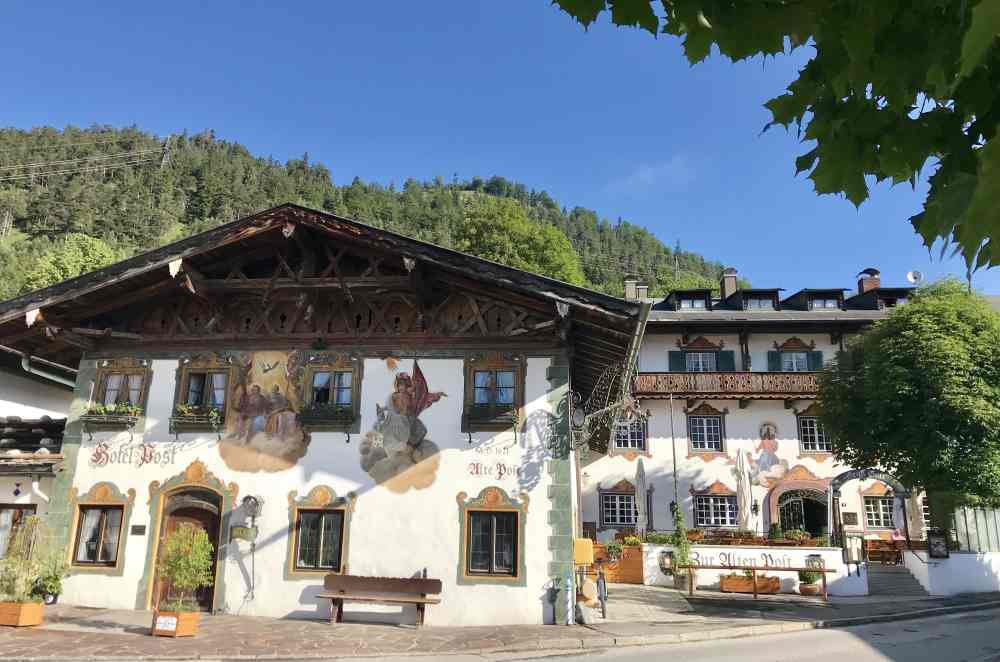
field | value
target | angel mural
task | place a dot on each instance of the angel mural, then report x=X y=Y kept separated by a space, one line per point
x=392 y=450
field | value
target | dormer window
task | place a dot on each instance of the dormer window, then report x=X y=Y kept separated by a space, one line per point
x=892 y=302
x=820 y=303
x=760 y=303
x=690 y=304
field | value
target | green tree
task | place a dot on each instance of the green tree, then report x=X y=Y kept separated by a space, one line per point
x=74 y=255
x=186 y=565
x=918 y=394
x=893 y=85
x=498 y=229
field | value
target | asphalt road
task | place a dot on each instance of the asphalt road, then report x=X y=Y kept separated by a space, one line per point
x=968 y=637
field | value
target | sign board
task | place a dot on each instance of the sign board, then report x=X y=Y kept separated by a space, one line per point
x=138 y=529
x=849 y=519
x=248 y=533
x=165 y=623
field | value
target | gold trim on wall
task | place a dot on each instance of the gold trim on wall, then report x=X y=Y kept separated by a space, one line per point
x=101 y=494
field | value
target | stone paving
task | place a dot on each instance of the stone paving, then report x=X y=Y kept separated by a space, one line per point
x=83 y=633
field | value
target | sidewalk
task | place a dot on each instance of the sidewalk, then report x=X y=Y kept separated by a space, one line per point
x=82 y=633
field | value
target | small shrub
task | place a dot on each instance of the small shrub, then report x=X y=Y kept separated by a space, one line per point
x=186 y=565
x=659 y=538
x=798 y=535
x=614 y=550
x=682 y=546
x=19 y=569
x=52 y=569
x=632 y=541
x=809 y=576
x=775 y=532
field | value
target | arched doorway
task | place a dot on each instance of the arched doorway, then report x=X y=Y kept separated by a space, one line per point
x=803 y=509
x=202 y=509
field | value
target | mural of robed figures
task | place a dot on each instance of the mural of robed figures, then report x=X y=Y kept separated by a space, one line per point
x=262 y=430
x=396 y=451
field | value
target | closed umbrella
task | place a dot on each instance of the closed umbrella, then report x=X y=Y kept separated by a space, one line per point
x=640 y=499
x=742 y=492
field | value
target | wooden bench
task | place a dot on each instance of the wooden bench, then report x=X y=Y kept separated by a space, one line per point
x=379 y=590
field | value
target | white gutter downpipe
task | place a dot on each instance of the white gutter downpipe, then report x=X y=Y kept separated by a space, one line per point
x=37 y=491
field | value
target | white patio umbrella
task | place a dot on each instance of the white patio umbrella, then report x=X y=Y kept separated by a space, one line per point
x=640 y=499
x=743 y=493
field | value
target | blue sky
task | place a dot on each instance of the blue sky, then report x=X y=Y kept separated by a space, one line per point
x=608 y=119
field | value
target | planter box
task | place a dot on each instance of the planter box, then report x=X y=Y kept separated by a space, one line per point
x=741 y=584
x=810 y=589
x=194 y=424
x=21 y=614
x=175 y=623
x=108 y=421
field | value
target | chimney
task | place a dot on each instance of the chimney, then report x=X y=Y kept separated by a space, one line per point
x=641 y=291
x=868 y=280
x=727 y=286
x=631 y=288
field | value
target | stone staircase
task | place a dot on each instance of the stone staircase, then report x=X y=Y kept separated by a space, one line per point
x=893 y=580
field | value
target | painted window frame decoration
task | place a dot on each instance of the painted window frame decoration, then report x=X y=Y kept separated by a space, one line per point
x=492 y=416
x=717 y=497
x=623 y=488
x=776 y=359
x=319 y=499
x=103 y=495
x=492 y=499
x=18 y=512
x=127 y=368
x=679 y=360
x=197 y=418
x=326 y=416
x=819 y=445
x=706 y=411
x=875 y=517
x=636 y=434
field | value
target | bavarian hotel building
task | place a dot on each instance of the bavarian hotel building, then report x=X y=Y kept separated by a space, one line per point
x=730 y=382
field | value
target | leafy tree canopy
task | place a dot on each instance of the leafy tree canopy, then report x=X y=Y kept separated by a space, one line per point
x=893 y=84
x=207 y=181
x=918 y=394
x=498 y=229
x=73 y=255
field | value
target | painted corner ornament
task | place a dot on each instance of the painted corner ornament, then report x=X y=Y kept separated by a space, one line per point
x=396 y=452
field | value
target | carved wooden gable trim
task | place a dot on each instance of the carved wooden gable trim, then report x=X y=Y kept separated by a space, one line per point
x=795 y=344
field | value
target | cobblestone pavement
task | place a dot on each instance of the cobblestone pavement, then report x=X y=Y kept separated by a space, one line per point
x=78 y=632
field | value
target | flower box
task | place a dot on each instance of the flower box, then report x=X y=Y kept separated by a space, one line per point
x=21 y=614
x=108 y=421
x=809 y=589
x=742 y=584
x=319 y=417
x=175 y=623
x=194 y=424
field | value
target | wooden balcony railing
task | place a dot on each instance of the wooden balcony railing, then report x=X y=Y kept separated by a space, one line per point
x=761 y=385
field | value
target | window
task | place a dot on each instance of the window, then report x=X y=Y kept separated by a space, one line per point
x=925 y=514
x=812 y=439
x=631 y=434
x=700 y=361
x=206 y=390
x=319 y=536
x=494 y=390
x=492 y=543
x=332 y=388
x=823 y=304
x=760 y=303
x=878 y=511
x=618 y=509
x=715 y=511
x=705 y=432
x=121 y=388
x=10 y=519
x=794 y=361
x=693 y=303
x=98 y=535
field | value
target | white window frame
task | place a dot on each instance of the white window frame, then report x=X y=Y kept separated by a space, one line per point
x=615 y=509
x=880 y=512
x=794 y=361
x=630 y=435
x=706 y=433
x=693 y=304
x=823 y=303
x=715 y=511
x=760 y=303
x=812 y=437
x=701 y=362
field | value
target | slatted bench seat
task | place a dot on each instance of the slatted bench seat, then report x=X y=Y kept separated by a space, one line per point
x=379 y=590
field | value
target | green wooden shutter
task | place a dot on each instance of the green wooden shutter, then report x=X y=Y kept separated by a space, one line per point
x=726 y=361
x=774 y=361
x=815 y=361
x=677 y=362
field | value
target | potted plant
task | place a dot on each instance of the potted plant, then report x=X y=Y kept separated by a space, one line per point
x=632 y=541
x=798 y=536
x=743 y=583
x=186 y=566
x=807 y=582
x=682 y=552
x=194 y=418
x=19 y=572
x=52 y=570
x=119 y=415
x=614 y=550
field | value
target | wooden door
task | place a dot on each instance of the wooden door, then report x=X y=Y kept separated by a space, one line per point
x=202 y=519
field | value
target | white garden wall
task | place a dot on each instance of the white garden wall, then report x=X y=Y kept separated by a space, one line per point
x=962 y=572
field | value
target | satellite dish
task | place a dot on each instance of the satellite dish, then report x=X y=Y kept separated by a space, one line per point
x=914 y=277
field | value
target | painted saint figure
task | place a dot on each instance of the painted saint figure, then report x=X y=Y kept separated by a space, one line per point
x=253 y=409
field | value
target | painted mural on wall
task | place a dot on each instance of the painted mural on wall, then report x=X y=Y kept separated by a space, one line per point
x=766 y=468
x=396 y=452
x=262 y=431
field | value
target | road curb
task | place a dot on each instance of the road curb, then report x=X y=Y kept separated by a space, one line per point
x=571 y=643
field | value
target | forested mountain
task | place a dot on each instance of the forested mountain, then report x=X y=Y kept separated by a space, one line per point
x=73 y=200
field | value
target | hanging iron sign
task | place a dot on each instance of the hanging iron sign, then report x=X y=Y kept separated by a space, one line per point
x=868 y=474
